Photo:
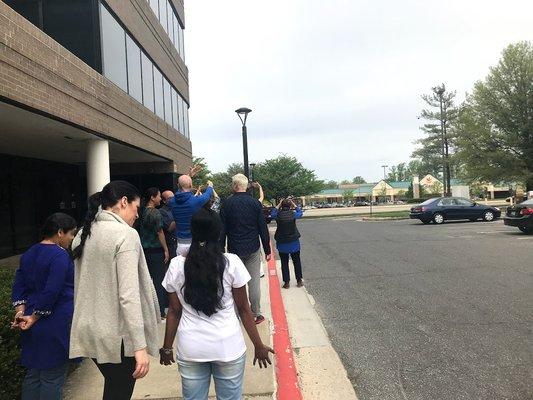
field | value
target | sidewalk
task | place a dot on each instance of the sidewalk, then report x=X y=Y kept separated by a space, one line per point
x=162 y=382
x=321 y=375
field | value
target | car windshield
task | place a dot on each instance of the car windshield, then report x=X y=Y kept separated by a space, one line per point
x=429 y=201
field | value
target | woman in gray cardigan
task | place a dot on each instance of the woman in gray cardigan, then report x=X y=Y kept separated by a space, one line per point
x=115 y=305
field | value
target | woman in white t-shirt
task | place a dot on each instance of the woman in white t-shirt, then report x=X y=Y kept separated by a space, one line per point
x=204 y=289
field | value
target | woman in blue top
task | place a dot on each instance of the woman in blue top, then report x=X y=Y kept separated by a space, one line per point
x=43 y=294
x=287 y=239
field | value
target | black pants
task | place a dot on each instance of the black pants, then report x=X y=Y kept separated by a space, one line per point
x=119 y=382
x=285 y=266
x=155 y=258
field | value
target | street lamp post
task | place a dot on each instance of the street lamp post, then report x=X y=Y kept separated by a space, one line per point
x=243 y=115
x=384 y=171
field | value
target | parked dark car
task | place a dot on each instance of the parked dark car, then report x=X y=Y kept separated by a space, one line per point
x=520 y=216
x=267 y=212
x=440 y=209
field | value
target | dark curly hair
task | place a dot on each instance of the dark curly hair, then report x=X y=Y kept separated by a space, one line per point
x=205 y=264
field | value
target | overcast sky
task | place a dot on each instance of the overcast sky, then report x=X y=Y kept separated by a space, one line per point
x=334 y=83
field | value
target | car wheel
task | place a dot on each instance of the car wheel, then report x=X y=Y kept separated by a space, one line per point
x=526 y=230
x=438 y=218
x=425 y=221
x=488 y=216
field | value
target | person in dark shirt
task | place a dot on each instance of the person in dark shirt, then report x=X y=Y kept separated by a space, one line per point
x=288 y=239
x=43 y=297
x=154 y=243
x=169 y=225
x=243 y=225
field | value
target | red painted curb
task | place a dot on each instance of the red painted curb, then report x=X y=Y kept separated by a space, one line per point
x=286 y=375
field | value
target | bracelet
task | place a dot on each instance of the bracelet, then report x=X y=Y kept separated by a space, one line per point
x=167 y=352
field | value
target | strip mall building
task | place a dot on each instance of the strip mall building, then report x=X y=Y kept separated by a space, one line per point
x=90 y=90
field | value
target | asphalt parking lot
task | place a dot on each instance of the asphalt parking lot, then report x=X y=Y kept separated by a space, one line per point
x=425 y=311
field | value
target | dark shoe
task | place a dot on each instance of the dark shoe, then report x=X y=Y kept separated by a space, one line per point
x=259 y=319
x=300 y=283
x=286 y=285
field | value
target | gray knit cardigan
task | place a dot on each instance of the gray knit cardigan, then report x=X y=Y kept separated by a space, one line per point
x=114 y=297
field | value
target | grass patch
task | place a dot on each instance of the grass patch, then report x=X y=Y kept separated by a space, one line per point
x=382 y=214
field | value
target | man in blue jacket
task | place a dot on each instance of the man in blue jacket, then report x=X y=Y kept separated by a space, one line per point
x=184 y=205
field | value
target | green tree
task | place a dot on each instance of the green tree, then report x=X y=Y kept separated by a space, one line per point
x=398 y=172
x=437 y=145
x=495 y=130
x=222 y=180
x=201 y=177
x=358 y=180
x=347 y=195
x=284 y=176
x=331 y=185
x=345 y=182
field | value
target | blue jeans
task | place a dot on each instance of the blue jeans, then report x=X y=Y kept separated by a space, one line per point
x=228 y=377
x=44 y=384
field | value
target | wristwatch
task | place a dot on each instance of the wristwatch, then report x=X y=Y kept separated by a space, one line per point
x=167 y=352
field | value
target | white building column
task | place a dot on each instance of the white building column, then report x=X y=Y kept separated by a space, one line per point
x=97 y=165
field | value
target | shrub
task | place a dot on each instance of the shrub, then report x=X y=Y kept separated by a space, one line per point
x=11 y=374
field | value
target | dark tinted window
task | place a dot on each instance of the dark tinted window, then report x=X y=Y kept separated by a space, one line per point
x=134 y=70
x=31 y=10
x=70 y=23
x=148 y=82
x=113 y=49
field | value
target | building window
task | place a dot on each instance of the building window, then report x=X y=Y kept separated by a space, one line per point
x=170 y=15
x=113 y=50
x=174 y=35
x=148 y=82
x=154 y=4
x=158 y=93
x=134 y=70
x=175 y=112
x=168 y=101
x=186 y=119
x=181 y=124
x=163 y=14
x=128 y=66
x=167 y=16
x=181 y=49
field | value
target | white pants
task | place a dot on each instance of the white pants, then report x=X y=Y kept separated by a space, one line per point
x=183 y=247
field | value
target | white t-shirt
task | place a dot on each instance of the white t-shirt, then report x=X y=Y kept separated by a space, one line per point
x=215 y=338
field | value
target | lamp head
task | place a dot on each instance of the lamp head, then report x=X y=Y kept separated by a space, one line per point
x=243 y=114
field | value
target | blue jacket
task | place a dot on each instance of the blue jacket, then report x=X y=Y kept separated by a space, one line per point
x=184 y=205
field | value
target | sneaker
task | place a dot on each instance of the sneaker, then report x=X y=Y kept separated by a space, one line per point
x=300 y=283
x=259 y=319
x=286 y=285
